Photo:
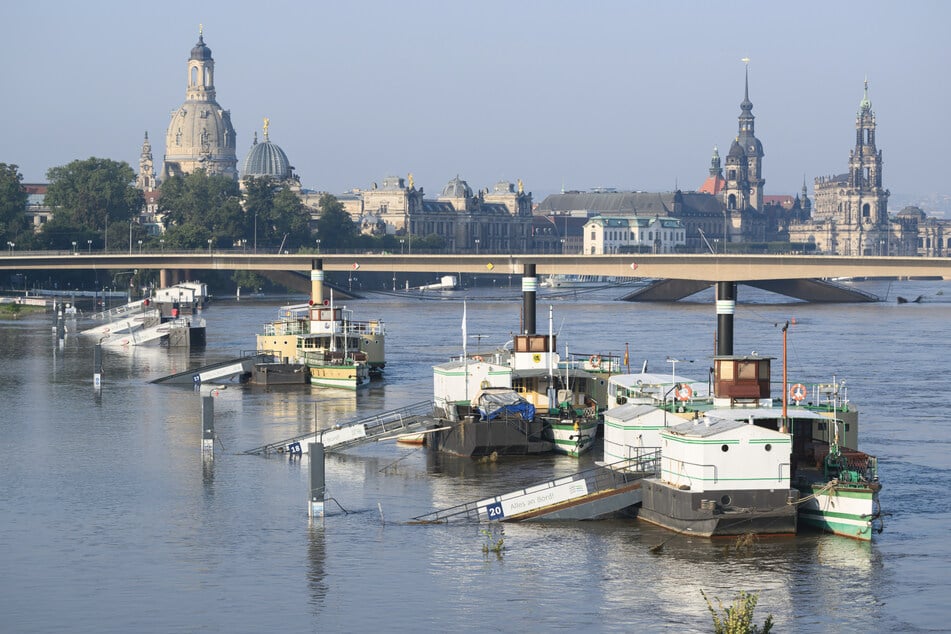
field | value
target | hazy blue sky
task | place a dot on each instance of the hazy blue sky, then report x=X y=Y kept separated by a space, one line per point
x=631 y=95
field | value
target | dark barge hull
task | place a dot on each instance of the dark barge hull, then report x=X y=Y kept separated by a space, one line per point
x=477 y=438
x=719 y=513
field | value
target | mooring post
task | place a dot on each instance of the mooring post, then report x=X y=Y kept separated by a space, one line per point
x=97 y=366
x=208 y=428
x=318 y=488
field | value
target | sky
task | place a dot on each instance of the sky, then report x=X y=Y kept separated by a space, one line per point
x=630 y=94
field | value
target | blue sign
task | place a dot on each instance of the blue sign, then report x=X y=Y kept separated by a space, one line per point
x=495 y=512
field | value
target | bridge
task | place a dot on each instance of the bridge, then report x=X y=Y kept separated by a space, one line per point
x=774 y=272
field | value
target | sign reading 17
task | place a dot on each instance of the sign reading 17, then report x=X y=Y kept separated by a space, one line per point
x=494 y=511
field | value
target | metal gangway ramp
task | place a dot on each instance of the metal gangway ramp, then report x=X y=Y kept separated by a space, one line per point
x=219 y=371
x=588 y=494
x=411 y=419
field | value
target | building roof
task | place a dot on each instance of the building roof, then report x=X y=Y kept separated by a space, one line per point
x=713 y=185
x=266 y=160
x=609 y=203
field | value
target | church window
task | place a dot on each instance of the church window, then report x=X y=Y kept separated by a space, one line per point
x=731 y=202
x=866 y=210
x=731 y=175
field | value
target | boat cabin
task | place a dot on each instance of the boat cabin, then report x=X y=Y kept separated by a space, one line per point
x=740 y=380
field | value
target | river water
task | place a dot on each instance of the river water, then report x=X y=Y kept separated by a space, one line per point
x=111 y=522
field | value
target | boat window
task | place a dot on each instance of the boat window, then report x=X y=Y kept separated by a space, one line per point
x=724 y=448
x=768 y=447
x=726 y=370
x=747 y=370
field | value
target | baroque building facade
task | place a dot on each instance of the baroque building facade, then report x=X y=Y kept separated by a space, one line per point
x=850 y=211
x=200 y=134
x=489 y=221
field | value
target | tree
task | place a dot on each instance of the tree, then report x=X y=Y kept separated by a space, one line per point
x=12 y=203
x=87 y=195
x=199 y=207
x=335 y=228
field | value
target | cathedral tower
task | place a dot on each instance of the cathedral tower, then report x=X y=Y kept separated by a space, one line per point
x=865 y=198
x=200 y=134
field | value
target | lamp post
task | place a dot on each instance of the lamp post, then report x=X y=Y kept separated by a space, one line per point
x=318 y=245
x=89 y=247
x=130 y=236
x=10 y=245
x=162 y=242
x=256 y=232
x=562 y=246
x=477 y=245
x=140 y=247
x=401 y=247
x=74 y=247
x=209 y=247
x=673 y=367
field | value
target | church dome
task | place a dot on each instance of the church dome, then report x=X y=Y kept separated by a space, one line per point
x=266 y=160
x=457 y=188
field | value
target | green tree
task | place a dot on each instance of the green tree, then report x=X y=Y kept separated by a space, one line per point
x=88 y=195
x=276 y=215
x=737 y=618
x=199 y=207
x=335 y=228
x=12 y=203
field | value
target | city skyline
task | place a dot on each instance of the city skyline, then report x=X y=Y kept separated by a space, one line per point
x=625 y=95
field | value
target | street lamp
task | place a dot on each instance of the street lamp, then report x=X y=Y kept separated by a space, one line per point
x=562 y=246
x=162 y=242
x=318 y=245
x=209 y=247
x=11 y=245
x=477 y=245
x=74 y=246
x=401 y=247
x=140 y=247
x=89 y=246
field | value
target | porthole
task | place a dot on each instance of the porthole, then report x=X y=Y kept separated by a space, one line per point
x=726 y=500
x=724 y=448
x=768 y=447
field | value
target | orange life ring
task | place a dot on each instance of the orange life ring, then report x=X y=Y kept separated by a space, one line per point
x=477 y=358
x=595 y=361
x=797 y=392
x=683 y=392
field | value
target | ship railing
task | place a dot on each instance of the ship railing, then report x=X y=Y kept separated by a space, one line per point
x=598 y=480
x=681 y=475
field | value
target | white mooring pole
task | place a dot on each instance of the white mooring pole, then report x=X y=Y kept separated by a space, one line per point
x=208 y=428
x=318 y=487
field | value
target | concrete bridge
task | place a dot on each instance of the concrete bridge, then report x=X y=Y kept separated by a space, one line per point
x=795 y=275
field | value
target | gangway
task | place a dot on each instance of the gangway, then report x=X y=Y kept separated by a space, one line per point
x=596 y=492
x=411 y=419
x=131 y=321
x=142 y=336
x=219 y=371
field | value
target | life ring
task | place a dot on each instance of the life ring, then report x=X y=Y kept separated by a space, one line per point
x=797 y=392
x=683 y=392
x=485 y=384
x=477 y=358
x=595 y=361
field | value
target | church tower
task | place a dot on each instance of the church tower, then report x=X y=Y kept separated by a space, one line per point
x=200 y=134
x=145 y=180
x=866 y=201
x=752 y=148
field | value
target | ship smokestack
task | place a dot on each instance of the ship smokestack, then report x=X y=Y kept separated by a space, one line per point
x=529 y=288
x=726 y=306
x=317 y=282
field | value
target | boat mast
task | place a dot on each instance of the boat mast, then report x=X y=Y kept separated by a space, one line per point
x=785 y=424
